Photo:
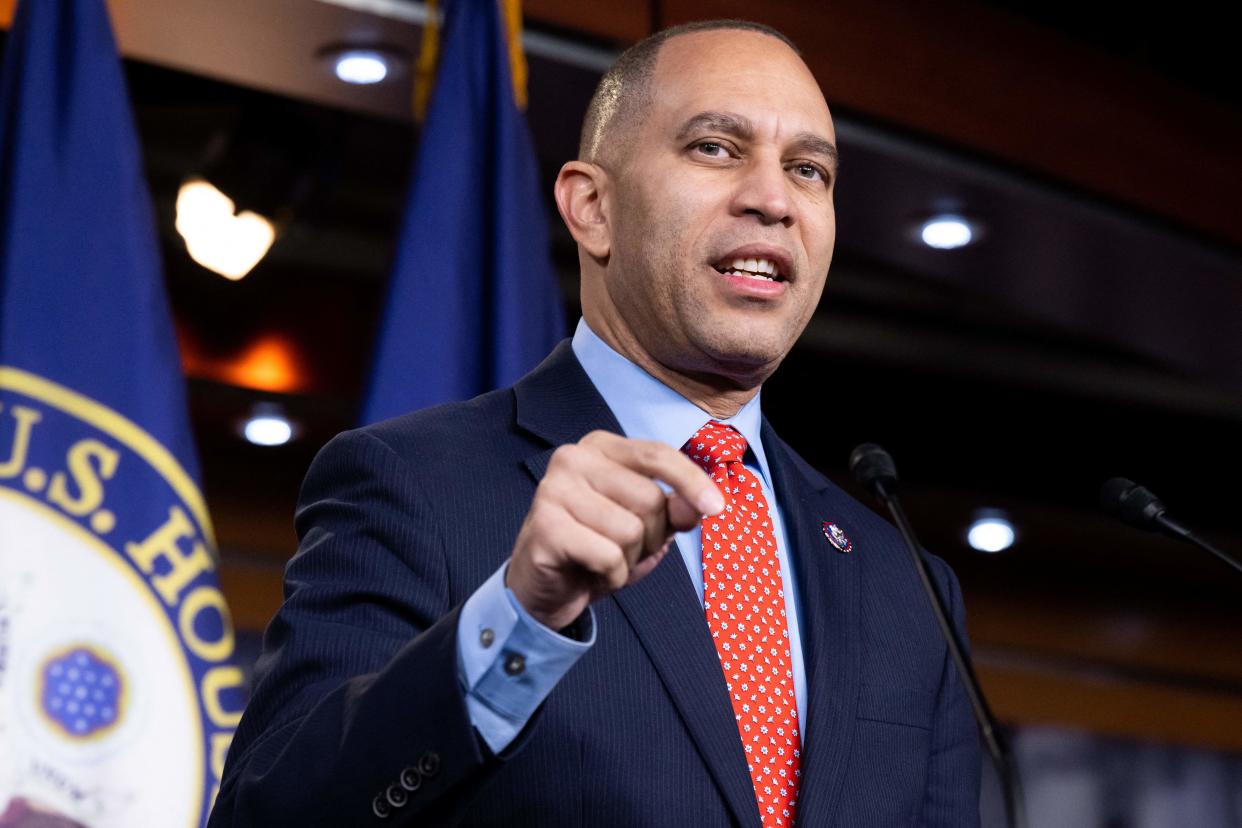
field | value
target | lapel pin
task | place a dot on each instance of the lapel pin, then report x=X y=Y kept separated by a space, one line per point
x=836 y=537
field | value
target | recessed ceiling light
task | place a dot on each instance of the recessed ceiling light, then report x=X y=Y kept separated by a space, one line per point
x=361 y=66
x=991 y=532
x=947 y=232
x=267 y=426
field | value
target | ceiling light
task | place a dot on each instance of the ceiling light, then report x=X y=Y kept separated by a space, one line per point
x=991 y=532
x=364 y=64
x=218 y=238
x=947 y=232
x=267 y=426
x=361 y=66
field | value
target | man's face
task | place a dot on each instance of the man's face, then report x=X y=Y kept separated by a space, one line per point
x=731 y=177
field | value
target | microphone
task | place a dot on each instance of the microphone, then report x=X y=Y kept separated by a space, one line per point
x=873 y=467
x=1140 y=508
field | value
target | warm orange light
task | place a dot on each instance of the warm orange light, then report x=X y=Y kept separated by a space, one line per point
x=217 y=236
x=269 y=364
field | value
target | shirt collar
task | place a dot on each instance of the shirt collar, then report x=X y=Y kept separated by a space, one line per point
x=647 y=409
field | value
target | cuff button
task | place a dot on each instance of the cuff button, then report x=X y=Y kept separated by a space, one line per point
x=396 y=796
x=429 y=764
x=411 y=779
x=380 y=807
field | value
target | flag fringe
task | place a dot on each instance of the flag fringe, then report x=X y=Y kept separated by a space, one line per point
x=429 y=56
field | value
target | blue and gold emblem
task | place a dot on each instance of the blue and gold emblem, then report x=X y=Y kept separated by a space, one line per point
x=116 y=648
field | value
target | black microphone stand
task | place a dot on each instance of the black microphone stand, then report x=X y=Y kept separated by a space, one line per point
x=1174 y=529
x=882 y=482
x=1141 y=509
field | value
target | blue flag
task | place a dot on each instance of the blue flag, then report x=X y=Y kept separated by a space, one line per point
x=473 y=302
x=118 y=692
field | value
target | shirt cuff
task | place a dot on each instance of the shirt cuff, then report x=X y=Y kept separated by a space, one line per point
x=508 y=662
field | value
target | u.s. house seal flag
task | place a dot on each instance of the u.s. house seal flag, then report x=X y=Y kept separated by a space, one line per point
x=118 y=692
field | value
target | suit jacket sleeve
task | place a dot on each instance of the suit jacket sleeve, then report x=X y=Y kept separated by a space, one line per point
x=953 y=775
x=357 y=689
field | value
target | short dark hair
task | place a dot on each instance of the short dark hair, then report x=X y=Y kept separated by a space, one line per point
x=621 y=98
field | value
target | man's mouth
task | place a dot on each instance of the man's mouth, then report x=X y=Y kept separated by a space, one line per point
x=761 y=269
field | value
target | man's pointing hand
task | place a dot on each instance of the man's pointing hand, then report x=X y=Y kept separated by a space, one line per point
x=599 y=522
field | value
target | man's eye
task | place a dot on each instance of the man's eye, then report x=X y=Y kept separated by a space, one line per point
x=710 y=148
x=810 y=172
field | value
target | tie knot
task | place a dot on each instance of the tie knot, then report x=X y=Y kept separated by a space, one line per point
x=715 y=443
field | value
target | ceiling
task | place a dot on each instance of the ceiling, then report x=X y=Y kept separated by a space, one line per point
x=1096 y=330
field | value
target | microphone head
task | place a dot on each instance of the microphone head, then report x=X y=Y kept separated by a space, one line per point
x=1113 y=492
x=874 y=468
x=1131 y=502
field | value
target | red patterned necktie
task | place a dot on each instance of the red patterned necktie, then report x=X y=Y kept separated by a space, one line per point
x=745 y=608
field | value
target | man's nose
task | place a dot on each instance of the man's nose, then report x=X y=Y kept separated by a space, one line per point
x=764 y=192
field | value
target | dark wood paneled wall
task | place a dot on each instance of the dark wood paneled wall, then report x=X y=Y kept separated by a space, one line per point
x=988 y=82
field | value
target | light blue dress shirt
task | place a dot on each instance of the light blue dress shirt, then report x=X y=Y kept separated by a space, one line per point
x=507 y=661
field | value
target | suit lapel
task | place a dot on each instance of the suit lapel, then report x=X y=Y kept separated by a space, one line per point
x=828 y=587
x=557 y=403
x=670 y=624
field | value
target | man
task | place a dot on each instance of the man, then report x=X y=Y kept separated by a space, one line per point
x=506 y=612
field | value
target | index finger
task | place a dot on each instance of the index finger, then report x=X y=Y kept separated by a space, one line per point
x=663 y=462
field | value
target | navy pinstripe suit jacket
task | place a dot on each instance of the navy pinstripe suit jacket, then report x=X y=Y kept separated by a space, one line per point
x=357 y=688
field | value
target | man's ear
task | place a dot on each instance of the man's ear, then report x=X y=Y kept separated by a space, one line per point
x=580 y=189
